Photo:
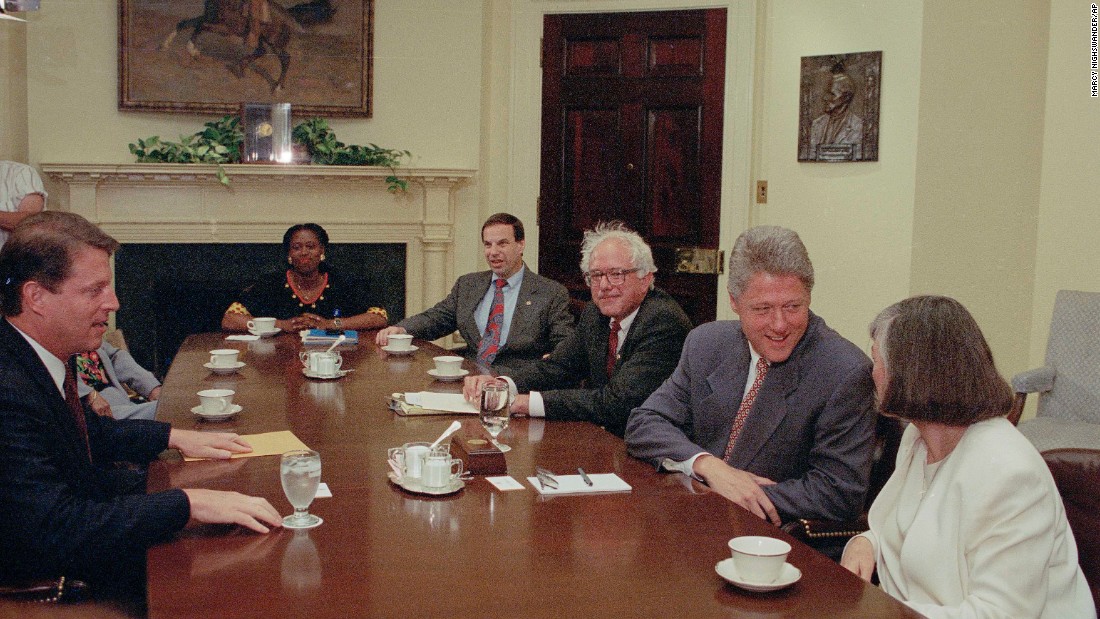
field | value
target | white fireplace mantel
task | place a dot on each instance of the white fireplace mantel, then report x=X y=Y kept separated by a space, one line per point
x=185 y=203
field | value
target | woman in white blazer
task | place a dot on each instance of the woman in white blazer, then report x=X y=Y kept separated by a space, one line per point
x=970 y=524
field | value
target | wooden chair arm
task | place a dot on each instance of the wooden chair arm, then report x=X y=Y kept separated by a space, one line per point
x=1017 y=409
x=809 y=530
x=47 y=590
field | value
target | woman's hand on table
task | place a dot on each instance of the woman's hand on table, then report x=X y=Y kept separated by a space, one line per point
x=98 y=404
x=859 y=558
x=217 y=445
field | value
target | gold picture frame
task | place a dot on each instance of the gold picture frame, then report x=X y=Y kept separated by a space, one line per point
x=209 y=56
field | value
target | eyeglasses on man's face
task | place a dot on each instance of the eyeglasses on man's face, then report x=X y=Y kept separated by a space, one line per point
x=614 y=277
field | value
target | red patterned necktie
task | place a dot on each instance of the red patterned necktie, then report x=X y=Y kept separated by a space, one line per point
x=490 y=342
x=612 y=346
x=746 y=406
x=75 y=407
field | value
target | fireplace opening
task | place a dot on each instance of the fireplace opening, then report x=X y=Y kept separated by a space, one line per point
x=169 y=291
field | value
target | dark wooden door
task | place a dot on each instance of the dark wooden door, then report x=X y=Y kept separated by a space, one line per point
x=632 y=130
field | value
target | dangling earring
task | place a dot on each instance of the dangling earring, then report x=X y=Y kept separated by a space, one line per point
x=289 y=260
x=322 y=257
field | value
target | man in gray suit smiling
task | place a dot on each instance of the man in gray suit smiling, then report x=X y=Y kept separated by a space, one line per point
x=508 y=316
x=774 y=411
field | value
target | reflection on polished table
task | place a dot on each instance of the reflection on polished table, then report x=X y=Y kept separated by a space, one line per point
x=383 y=552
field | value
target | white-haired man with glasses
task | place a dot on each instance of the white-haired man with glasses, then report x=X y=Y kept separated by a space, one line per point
x=625 y=345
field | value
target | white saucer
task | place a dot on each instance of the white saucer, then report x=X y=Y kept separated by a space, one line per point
x=447 y=378
x=403 y=351
x=787 y=577
x=338 y=374
x=229 y=369
x=266 y=333
x=413 y=485
x=233 y=410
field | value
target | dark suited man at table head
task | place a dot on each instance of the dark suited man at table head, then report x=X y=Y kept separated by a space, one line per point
x=774 y=411
x=70 y=511
x=592 y=376
x=508 y=316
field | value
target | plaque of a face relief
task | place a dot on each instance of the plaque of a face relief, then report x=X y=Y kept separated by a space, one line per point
x=839 y=107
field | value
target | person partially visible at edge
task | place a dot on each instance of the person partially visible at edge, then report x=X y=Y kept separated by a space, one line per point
x=21 y=195
x=592 y=376
x=106 y=373
x=970 y=524
x=774 y=411
x=71 y=511
x=308 y=295
x=508 y=316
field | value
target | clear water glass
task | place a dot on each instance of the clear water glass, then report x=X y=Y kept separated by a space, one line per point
x=496 y=405
x=300 y=472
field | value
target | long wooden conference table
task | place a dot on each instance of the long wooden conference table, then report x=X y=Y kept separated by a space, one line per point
x=384 y=552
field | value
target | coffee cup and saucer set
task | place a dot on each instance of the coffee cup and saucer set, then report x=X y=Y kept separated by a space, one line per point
x=400 y=344
x=448 y=368
x=758 y=563
x=224 y=361
x=263 y=327
x=420 y=469
x=216 y=405
x=322 y=364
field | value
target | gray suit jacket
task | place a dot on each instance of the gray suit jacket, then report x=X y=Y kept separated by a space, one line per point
x=576 y=372
x=540 y=321
x=811 y=428
x=121 y=368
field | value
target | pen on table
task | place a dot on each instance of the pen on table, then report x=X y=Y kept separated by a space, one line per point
x=584 y=476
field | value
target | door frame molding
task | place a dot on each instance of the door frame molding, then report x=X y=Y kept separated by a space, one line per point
x=525 y=103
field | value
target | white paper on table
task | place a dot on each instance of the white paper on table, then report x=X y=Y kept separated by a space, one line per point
x=505 y=482
x=323 y=491
x=574 y=484
x=450 y=402
x=242 y=338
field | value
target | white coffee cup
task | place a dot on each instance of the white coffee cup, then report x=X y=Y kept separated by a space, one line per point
x=261 y=325
x=216 y=401
x=759 y=559
x=439 y=470
x=399 y=341
x=223 y=357
x=448 y=365
x=320 y=362
x=409 y=458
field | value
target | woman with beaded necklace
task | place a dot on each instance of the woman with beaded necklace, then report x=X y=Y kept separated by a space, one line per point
x=308 y=296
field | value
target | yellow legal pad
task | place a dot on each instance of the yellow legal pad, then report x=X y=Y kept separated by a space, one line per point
x=267 y=444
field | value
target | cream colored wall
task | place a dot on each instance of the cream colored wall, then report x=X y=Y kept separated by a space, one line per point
x=855 y=218
x=13 y=91
x=1068 y=243
x=979 y=155
x=427 y=92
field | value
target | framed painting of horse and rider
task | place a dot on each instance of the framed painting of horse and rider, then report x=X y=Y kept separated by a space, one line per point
x=209 y=56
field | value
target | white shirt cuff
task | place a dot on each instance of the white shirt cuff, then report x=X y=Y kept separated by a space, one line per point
x=684 y=466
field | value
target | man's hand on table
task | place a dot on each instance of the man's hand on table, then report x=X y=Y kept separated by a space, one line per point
x=471 y=387
x=741 y=487
x=217 y=445
x=220 y=507
x=383 y=337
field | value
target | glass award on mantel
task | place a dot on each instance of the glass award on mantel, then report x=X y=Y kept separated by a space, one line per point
x=266 y=133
